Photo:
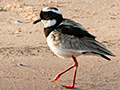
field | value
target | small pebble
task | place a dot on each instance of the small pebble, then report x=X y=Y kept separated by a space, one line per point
x=16 y=32
x=103 y=27
x=13 y=60
x=20 y=64
x=94 y=30
x=16 y=22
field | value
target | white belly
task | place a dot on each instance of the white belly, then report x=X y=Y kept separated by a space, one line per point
x=59 y=51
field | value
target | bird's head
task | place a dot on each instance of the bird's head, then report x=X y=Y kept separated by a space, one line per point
x=50 y=16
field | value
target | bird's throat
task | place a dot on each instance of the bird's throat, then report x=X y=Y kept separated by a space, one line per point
x=48 y=23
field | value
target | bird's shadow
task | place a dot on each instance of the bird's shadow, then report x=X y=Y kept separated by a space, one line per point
x=75 y=88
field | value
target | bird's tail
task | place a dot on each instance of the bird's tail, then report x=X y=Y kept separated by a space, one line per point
x=102 y=50
x=97 y=48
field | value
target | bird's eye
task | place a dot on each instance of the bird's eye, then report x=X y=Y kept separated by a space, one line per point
x=45 y=15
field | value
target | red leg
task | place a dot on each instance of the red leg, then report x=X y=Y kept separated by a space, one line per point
x=75 y=71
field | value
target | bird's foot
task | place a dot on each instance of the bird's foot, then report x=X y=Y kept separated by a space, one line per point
x=68 y=86
x=56 y=78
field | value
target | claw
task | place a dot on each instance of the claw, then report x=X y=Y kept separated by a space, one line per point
x=68 y=86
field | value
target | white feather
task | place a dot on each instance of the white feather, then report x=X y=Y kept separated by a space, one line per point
x=46 y=9
x=48 y=23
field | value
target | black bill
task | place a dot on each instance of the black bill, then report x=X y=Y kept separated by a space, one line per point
x=38 y=20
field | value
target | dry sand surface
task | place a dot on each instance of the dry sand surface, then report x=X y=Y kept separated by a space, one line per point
x=26 y=62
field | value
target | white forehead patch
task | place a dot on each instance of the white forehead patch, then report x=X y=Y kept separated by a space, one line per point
x=46 y=9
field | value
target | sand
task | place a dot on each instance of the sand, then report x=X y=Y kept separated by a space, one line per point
x=27 y=63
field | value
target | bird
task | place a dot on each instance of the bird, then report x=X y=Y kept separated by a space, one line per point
x=68 y=39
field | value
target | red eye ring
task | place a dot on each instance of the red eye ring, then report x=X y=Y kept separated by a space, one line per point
x=45 y=15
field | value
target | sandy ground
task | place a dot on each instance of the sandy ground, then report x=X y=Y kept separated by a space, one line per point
x=26 y=62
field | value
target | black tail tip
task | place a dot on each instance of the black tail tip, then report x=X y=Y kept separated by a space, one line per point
x=105 y=57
